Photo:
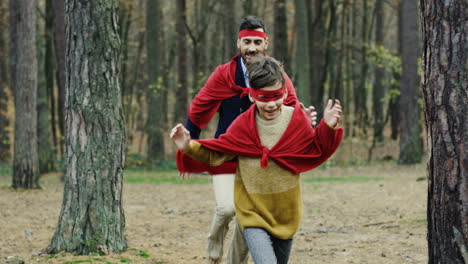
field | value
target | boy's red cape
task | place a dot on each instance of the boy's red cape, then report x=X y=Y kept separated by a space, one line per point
x=300 y=148
x=221 y=85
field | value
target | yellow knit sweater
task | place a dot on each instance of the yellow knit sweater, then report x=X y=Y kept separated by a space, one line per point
x=268 y=198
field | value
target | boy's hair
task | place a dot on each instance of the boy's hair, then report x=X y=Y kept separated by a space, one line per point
x=251 y=23
x=265 y=71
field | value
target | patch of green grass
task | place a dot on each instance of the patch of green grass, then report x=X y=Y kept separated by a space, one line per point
x=88 y=260
x=140 y=253
x=165 y=179
x=413 y=222
x=342 y=179
x=143 y=254
x=125 y=260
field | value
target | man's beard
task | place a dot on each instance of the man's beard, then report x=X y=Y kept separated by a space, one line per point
x=252 y=54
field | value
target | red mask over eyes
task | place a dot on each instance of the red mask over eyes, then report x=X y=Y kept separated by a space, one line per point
x=267 y=96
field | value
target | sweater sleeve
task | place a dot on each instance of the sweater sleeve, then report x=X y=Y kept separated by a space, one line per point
x=328 y=138
x=204 y=155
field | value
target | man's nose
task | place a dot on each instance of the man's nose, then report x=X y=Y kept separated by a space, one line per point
x=252 y=47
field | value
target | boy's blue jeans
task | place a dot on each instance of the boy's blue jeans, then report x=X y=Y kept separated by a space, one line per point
x=265 y=248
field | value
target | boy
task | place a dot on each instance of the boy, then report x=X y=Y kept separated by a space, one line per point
x=273 y=143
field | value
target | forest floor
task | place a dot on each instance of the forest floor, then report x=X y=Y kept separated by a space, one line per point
x=359 y=214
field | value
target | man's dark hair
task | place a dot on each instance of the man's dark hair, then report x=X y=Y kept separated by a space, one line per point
x=251 y=23
x=265 y=71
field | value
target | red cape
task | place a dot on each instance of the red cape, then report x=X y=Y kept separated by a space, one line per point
x=219 y=86
x=300 y=148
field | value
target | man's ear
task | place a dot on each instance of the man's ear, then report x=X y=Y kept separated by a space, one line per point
x=267 y=42
x=285 y=93
x=251 y=99
x=238 y=43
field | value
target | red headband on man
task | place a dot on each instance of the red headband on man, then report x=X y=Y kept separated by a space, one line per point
x=267 y=96
x=251 y=33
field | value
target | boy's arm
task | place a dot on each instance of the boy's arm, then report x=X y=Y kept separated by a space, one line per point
x=181 y=137
x=204 y=155
x=327 y=131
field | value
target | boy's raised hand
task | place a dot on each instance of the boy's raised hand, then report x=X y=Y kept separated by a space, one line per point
x=181 y=137
x=332 y=113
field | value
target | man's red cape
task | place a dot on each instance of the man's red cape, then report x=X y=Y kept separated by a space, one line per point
x=300 y=148
x=221 y=85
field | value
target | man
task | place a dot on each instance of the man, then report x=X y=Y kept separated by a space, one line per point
x=225 y=92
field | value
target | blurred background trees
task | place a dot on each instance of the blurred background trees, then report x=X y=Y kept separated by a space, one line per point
x=365 y=53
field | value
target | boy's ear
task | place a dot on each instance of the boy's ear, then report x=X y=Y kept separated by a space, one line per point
x=285 y=93
x=251 y=99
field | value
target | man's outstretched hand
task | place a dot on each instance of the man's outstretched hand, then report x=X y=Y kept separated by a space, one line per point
x=311 y=114
x=332 y=113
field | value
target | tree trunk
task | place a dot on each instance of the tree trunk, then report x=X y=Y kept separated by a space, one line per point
x=230 y=29
x=411 y=148
x=339 y=85
x=378 y=91
x=394 y=104
x=301 y=62
x=24 y=81
x=330 y=50
x=182 y=86
x=4 y=122
x=316 y=52
x=347 y=40
x=445 y=96
x=248 y=6
x=361 y=93
x=92 y=217
x=155 y=124
x=125 y=15
x=59 y=46
x=44 y=129
x=280 y=34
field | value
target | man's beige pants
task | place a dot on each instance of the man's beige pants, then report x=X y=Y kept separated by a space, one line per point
x=223 y=185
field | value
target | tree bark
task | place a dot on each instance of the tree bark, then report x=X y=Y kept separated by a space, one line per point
x=230 y=29
x=24 y=81
x=301 y=69
x=155 y=124
x=339 y=85
x=445 y=89
x=394 y=104
x=411 y=148
x=182 y=86
x=4 y=122
x=378 y=91
x=59 y=48
x=280 y=34
x=330 y=50
x=360 y=94
x=44 y=128
x=125 y=15
x=248 y=6
x=92 y=217
x=317 y=51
